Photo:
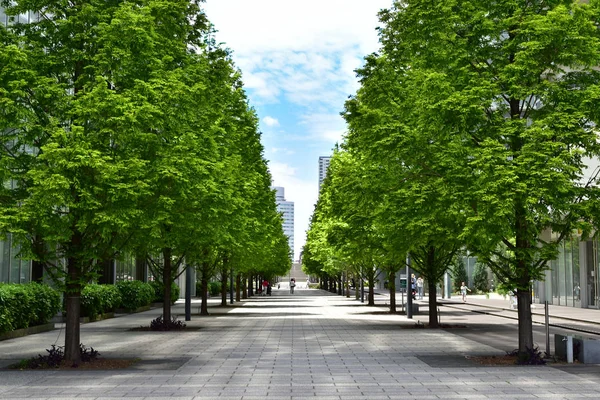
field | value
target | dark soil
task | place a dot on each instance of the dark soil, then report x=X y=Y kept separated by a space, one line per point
x=95 y=364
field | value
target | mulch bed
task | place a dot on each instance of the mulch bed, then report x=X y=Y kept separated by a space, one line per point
x=95 y=364
x=492 y=361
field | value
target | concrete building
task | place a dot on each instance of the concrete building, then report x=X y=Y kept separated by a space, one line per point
x=323 y=166
x=287 y=209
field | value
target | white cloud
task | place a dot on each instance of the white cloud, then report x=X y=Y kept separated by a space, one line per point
x=282 y=150
x=328 y=127
x=255 y=26
x=305 y=51
x=270 y=121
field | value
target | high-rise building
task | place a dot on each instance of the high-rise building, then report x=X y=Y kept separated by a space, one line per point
x=323 y=166
x=287 y=209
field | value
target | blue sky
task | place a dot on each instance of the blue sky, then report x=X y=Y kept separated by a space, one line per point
x=297 y=60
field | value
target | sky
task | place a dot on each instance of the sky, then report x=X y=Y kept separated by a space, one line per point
x=297 y=60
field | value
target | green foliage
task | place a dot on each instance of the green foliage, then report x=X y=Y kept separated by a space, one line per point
x=480 y=278
x=459 y=274
x=214 y=288
x=159 y=292
x=99 y=299
x=135 y=294
x=126 y=127
x=24 y=305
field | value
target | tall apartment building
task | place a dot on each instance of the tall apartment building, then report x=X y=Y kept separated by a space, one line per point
x=287 y=209
x=323 y=166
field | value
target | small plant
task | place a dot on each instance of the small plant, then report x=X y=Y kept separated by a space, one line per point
x=55 y=358
x=88 y=355
x=529 y=357
x=159 y=324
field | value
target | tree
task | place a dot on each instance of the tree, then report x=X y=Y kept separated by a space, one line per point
x=509 y=89
x=418 y=208
x=459 y=274
x=69 y=138
x=480 y=278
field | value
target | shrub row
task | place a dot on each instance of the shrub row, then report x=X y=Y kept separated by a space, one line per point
x=24 y=305
x=158 y=292
x=128 y=295
x=214 y=288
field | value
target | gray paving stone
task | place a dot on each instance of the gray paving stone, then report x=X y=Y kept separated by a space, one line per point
x=317 y=347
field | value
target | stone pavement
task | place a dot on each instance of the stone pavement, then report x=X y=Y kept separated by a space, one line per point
x=309 y=345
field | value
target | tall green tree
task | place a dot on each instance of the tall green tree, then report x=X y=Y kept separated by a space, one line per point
x=418 y=208
x=510 y=89
x=68 y=144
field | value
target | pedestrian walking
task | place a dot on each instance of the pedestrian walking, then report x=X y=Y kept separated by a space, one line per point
x=292 y=285
x=307 y=283
x=265 y=284
x=420 y=287
x=413 y=286
x=463 y=292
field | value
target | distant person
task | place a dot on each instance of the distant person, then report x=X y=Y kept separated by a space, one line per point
x=413 y=286
x=420 y=287
x=463 y=292
x=265 y=284
x=307 y=283
x=512 y=296
x=292 y=285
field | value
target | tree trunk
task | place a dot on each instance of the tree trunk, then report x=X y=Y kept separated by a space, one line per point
x=73 y=303
x=167 y=280
x=371 y=296
x=524 y=277
x=339 y=285
x=392 y=288
x=238 y=286
x=250 y=287
x=204 y=286
x=525 y=322
x=244 y=288
x=431 y=266
x=347 y=286
x=433 y=314
x=224 y=277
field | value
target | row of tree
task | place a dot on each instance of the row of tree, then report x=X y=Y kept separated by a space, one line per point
x=125 y=128
x=474 y=128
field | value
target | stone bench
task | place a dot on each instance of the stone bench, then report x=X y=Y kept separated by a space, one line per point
x=586 y=350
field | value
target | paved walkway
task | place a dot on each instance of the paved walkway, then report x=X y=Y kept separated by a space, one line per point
x=309 y=345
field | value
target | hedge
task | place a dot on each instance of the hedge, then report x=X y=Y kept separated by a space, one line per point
x=135 y=294
x=25 y=305
x=99 y=299
x=158 y=292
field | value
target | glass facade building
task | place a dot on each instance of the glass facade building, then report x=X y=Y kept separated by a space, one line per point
x=286 y=208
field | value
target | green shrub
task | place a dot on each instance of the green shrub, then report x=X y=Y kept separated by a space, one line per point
x=18 y=300
x=158 y=292
x=480 y=278
x=214 y=288
x=135 y=294
x=99 y=299
x=24 y=305
x=46 y=303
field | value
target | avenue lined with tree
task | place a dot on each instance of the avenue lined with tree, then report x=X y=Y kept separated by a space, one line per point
x=126 y=130
x=472 y=129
